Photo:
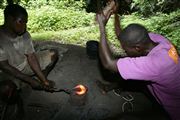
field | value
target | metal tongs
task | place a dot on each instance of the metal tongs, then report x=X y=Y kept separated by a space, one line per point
x=68 y=91
x=62 y=90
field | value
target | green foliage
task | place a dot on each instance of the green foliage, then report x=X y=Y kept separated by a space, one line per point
x=78 y=36
x=58 y=4
x=31 y=4
x=67 y=21
x=2 y=4
x=165 y=24
x=77 y=26
x=150 y=7
x=1 y=17
x=49 y=18
x=70 y=4
x=168 y=25
x=146 y=7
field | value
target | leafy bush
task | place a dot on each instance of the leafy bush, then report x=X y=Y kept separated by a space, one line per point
x=71 y=4
x=75 y=25
x=71 y=23
x=168 y=25
x=1 y=16
x=165 y=24
x=49 y=18
x=150 y=7
x=58 y=4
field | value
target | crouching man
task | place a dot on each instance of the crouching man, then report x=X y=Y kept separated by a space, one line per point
x=18 y=59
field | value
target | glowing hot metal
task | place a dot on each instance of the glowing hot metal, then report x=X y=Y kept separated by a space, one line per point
x=80 y=89
x=79 y=95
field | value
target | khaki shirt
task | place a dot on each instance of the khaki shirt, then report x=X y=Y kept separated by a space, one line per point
x=14 y=49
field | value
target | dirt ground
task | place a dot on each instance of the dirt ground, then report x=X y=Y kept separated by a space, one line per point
x=75 y=67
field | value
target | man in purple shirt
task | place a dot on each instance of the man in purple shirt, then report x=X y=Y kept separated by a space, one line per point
x=151 y=57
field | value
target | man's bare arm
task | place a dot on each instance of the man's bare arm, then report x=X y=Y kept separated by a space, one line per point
x=35 y=66
x=104 y=50
x=7 y=68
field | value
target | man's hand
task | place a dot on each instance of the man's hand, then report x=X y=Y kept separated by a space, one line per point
x=115 y=7
x=46 y=86
x=103 y=16
x=110 y=8
x=101 y=19
x=36 y=85
x=49 y=86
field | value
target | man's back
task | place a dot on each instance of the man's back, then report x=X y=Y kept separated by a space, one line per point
x=167 y=87
x=162 y=67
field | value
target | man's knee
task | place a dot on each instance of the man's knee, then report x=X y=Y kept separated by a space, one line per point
x=54 y=55
x=8 y=91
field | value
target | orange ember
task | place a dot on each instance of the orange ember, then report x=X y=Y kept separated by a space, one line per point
x=80 y=89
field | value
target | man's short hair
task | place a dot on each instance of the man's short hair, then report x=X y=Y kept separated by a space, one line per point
x=134 y=34
x=14 y=10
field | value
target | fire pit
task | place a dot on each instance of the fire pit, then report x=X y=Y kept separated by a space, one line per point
x=78 y=96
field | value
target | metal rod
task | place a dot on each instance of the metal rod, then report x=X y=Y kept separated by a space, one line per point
x=62 y=90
